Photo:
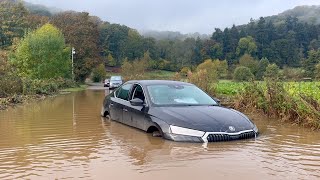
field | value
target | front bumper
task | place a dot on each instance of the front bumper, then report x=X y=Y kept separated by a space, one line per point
x=212 y=136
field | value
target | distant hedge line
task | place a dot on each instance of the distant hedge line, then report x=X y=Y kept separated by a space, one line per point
x=11 y=84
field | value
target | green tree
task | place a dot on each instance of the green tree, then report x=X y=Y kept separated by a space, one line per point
x=317 y=71
x=242 y=73
x=262 y=66
x=111 y=61
x=310 y=63
x=272 y=72
x=43 y=54
x=126 y=68
x=246 y=45
x=146 y=61
x=249 y=62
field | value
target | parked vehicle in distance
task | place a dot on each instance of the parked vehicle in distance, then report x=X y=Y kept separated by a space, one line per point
x=115 y=81
x=106 y=83
x=176 y=111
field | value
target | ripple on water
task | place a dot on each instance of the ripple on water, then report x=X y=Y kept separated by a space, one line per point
x=64 y=138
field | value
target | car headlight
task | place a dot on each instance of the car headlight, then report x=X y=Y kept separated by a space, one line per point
x=186 y=131
x=255 y=129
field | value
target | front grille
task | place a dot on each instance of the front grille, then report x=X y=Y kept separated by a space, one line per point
x=230 y=137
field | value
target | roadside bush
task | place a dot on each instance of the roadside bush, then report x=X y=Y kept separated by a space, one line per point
x=242 y=73
x=184 y=71
x=201 y=79
x=45 y=87
x=99 y=73
x=10 y=84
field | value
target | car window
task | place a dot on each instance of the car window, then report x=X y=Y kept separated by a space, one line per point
x=115 y=78
x=138 y=93
x=178 y=95
x=123 y=92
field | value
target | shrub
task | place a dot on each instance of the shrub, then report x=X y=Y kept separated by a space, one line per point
x=242 y=73
x=262 y=66
x=272 y=72
x=10 y=84
x=275 y=100
x=293 y=73
x=99 y=73
x=248 y=61
x=317 y=73
x=184 y=71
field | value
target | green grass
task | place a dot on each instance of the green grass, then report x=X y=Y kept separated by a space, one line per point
x=228 y=88
x=231 y=88
x=75 y=89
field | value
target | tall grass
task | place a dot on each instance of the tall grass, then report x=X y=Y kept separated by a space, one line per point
x=275 y=99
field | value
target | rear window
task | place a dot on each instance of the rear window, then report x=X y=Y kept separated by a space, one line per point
x=116 y=78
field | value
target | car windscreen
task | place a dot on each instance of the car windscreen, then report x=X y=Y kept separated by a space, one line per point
x=115 y=78
x=166 y=95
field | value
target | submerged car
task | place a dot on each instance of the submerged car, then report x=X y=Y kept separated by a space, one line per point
x=176 y=111
x=115 y=81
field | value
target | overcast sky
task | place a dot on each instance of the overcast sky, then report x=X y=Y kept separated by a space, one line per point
x=186 y=16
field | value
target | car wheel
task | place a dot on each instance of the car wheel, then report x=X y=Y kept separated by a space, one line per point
x=156 y=134
x=108 y=117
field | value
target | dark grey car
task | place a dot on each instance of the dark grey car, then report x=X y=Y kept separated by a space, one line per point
x=177 y=111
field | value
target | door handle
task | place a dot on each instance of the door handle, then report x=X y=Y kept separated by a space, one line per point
x=125 y=110
x=111 y=104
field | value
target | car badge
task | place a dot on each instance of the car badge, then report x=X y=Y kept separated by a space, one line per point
x=231 y=128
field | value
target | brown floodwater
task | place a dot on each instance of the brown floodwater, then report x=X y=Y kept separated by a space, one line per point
x=64 y=137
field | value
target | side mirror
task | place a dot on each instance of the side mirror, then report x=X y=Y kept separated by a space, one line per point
x=136 y=102
x=217 y=100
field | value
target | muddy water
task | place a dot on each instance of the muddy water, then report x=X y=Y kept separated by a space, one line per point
x=65 y=138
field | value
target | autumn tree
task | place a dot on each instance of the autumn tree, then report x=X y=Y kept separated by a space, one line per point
x=13 y=22
x=81 y=32
x=43 y=54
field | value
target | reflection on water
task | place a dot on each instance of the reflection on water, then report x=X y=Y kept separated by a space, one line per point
x=65 y=137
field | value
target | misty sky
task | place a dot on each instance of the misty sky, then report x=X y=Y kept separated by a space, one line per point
x=186 y=16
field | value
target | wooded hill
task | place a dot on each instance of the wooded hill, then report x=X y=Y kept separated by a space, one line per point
x=286 y=39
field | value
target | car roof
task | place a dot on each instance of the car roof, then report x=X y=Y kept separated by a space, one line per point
x=158 y=82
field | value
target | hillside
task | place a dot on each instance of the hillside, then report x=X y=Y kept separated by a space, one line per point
x=171 y=35
x=308 y=14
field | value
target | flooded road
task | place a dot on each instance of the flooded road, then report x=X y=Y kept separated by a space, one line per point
x=65 y=138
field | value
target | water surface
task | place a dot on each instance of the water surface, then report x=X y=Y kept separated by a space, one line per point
x=64 y=137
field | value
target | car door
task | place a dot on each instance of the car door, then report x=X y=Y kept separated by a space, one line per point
x=138 y=112
x=118 y=103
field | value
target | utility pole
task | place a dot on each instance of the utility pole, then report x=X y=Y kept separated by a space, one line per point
x=73 y=52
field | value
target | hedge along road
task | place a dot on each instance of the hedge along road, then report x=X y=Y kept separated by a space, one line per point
x=65 y=137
